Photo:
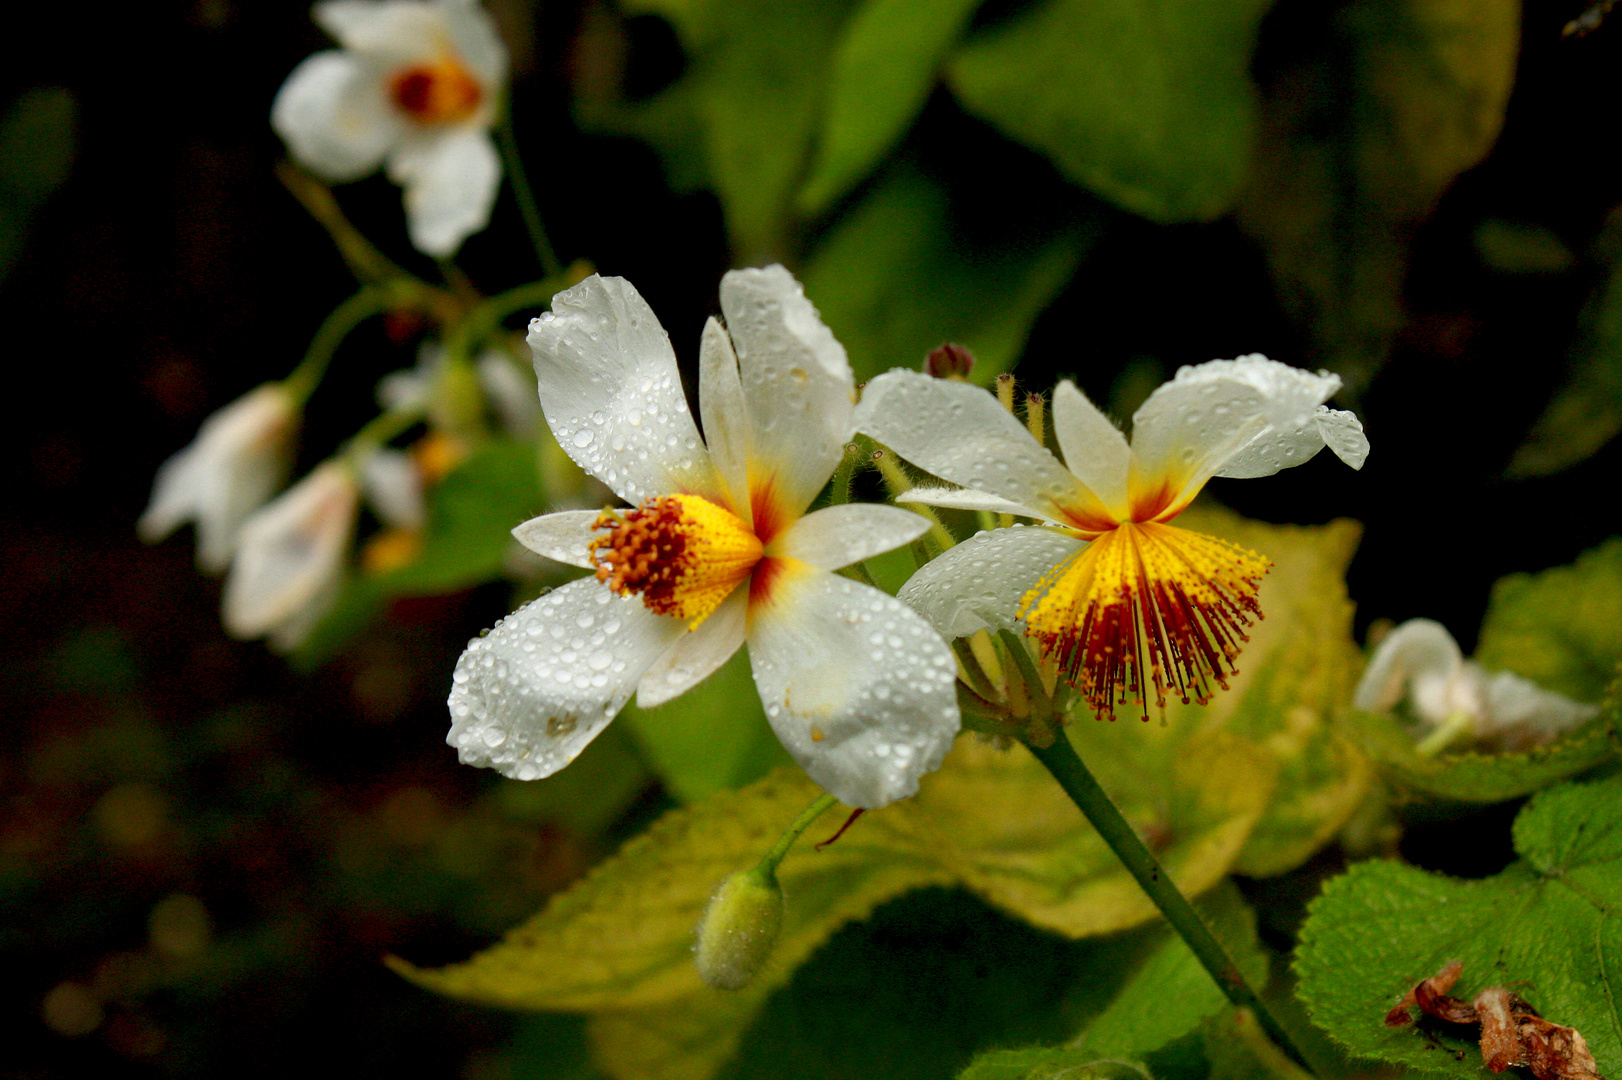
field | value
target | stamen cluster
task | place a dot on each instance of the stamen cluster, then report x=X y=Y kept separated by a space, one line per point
x=439 y=93
x=681 y=553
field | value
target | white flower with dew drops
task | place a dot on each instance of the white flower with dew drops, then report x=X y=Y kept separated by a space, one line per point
x=414 y=87
x=237 y=461
x=1127 y=605
x=716 y=551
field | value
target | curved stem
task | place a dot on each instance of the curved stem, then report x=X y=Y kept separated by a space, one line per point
x=1060 y=759
x=770 y=860
x=331 y=333
x=550 y=266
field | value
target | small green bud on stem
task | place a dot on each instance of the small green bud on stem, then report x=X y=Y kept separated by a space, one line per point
x=739 y=928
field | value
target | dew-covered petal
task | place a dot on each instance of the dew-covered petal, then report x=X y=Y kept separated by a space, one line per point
x=335 y=117
x=697 y=653
x=450 y=180
x=564 y=536
x=1094 y=449
x=859 y=688
x=610 y=391
x=978 y=584
x=1193 y=426
x=797 y=382
x=955 y=498
x=1342 y=432
x=961 y=433
x=1419 y=649
x=721 y=403
x=837 y=536
x=291 y=551
x=529 y=695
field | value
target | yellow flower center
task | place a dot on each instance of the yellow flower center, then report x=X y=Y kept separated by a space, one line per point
x=682 y=553
x=1147 y=592
x=442 y=92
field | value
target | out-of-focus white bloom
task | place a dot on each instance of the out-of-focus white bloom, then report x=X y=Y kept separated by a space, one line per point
x=1114 y=581
x=510 y=392
x=238 y=460
x=393 y=485
x=716 y=551
x=415 y=86
x=291 y=557
x=1420 y=660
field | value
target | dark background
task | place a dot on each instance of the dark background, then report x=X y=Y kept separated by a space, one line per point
x=304 y=820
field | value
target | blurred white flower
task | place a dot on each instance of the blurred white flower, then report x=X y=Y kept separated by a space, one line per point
x=716 y=551
x=393 y=486
x=1452 y=696
x=510 y=393
x=238 y=459
x=291 y=557
x=1123 y=602
x=416 y=85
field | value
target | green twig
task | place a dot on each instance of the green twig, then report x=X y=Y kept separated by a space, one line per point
x=1060 y=759
x=370 y=301
x=550 y=266
x=810 y=814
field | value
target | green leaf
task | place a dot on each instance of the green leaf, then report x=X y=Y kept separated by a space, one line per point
x=1586 y=413
x=1296 y=676
x=1238 y=1049
x=1559 y=627
x=713 y=738
x=1169 y=994
x=1049 y=1063
x=1547 y=926
x=1148 y=105
x=38 y=142
x=1408 y=94
x=901 y=273
x=883 y=69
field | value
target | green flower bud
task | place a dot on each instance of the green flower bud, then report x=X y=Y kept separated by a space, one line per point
x=739 y=928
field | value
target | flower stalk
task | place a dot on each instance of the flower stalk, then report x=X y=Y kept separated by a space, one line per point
x=550 y=266
x=1061 y=760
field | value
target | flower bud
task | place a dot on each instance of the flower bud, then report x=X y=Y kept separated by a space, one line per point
x=739 y=928
x=949 y=361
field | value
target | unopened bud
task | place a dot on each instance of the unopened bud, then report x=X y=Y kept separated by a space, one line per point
x=949 y=361
x=739 y=928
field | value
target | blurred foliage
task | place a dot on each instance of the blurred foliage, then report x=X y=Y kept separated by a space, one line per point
x=1543 y=927
x=38 y=135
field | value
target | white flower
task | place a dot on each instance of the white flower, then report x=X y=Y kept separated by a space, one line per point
x=416 y=85
x=393 y=485
x=717 y=551
x=1120 y=600
x=510 y=393
x=237 y=461
x=291 y=557
x=1449 y=694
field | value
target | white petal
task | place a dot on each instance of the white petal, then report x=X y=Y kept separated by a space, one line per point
x=721 y=403
x=612 y=395
x=797 y=381
x=1192 y=427
x=978 y=584
x=1343 y=433
x=1526 y=712
x=837 y=536
x=511 y=393
x=969 y=499
x=398 y=33
x=859 y=688
x=450 y=184
x=697 y=653
x=394 y=488
x=1094 y=449
x=335 y=117
x=564 y=536
x=291 y=552
x=237 y=461
x=529 y=695
x=1419 y=648
x=477 y=42
x=960 y=433
x=1271 y=451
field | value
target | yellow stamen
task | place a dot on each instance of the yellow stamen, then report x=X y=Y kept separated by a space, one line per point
x=682 y=553
x=1182 y=597
x=442 y=92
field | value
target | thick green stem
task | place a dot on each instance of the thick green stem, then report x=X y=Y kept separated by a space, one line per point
x=550 y=266
x=1078 y=782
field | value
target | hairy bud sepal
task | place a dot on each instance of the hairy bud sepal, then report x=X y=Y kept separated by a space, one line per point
x=739 y=929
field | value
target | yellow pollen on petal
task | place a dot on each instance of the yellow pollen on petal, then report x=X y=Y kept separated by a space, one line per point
x=442 y=92
x=682 y=553
x=1147 y=605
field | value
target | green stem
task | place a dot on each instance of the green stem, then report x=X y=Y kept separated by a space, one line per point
x=550 y=266
x=364 y=260
x=370 y=301
x=1445 y=734
x=379 y=431
x=769 y=861
x=1078 y=782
